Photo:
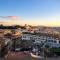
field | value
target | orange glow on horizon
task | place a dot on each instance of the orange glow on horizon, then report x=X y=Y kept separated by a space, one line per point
x=52 y=21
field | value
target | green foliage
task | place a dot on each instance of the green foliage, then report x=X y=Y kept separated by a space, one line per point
x=55 y=50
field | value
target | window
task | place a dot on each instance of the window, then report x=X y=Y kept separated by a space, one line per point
x=24 y=36
x=44 y=39
x=59 y=41
x=41 y=41
x=48 y=40
x=31 y=38
x=51 y=40
x=38 y=38
x=55 y=42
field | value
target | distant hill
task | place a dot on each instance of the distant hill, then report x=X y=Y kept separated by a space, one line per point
x=11 y=27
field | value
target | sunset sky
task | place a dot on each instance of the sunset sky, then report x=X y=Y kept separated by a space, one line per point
x=32 y=12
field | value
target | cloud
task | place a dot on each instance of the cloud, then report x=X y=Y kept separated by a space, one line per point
x=13 y=17
x=47 y=21
x=9 y=17
x=10 y=20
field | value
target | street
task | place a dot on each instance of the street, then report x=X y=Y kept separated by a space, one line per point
x=24 y=56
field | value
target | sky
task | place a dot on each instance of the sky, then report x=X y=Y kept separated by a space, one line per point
x=32 y=12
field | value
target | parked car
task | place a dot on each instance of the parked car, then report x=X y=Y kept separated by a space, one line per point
x=17 y=49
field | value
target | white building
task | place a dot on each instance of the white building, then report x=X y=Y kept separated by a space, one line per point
x=39 y=39
x=7 y=31
x=53 y=42
x=22 y=30
x=26 y=37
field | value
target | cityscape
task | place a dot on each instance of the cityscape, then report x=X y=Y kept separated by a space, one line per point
x=30 y=30
x=15 y=40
